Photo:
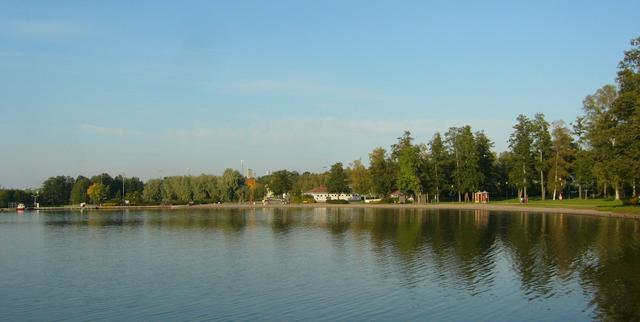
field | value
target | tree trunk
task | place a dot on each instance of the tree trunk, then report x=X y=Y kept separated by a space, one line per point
x=542 y=188
x=519 y=193
x=524 y=181
x=459 y=196
x=580 y=191
x=617 y=192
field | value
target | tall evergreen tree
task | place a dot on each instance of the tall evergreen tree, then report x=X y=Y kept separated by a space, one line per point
x=520 y=143
x=382 y=172
x=337 y=182
x=466 y=173
x=541 y=147
x=486 y=162
x=408 y=158
x=439 y=159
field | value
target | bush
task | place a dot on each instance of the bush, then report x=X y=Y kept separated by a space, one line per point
x=388 y=200
x=338 y=202
x=633 y=201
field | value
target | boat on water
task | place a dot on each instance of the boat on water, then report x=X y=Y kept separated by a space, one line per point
x=21 y=207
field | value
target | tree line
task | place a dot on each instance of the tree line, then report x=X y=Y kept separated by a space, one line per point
x=596 y=155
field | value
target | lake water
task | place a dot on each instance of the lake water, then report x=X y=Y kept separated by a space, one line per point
x=317 y=264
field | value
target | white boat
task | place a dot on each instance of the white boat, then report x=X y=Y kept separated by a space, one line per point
x=21 y=207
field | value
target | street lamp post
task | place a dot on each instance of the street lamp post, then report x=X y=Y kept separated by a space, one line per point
x=506 y=190
x=123 y=201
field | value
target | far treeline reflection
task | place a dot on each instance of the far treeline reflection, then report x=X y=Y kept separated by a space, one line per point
x=464 y=246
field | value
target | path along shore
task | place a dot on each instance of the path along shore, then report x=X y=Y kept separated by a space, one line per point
x=447 y=206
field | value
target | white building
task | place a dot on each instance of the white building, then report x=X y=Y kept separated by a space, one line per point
x=321 y=194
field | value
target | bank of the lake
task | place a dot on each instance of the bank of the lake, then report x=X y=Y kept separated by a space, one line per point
x=576 y=207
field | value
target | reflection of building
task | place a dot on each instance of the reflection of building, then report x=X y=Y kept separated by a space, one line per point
x=321 y=194
x=481 y=217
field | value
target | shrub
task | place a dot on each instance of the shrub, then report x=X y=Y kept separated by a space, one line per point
x=633 y=201
x=388 y=200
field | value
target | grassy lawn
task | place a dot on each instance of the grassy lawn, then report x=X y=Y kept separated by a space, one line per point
x=596 y=204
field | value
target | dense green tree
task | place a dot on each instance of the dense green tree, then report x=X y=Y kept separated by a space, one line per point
x=8 y=196
x=583 y=173
x=337 y=182
x=382 y=172
x=541 y=146
x=562 y=154
x=177 y=189
x=307 y=181
x=424 y=171
x=486 y=162
x=98 y=192
x=359 y=178
x=502 y=169
x=205 y=189
x=626 y=112
x=230 y=185
x=133 y=197
x=403 y=141
x=598 y=123
x=466 y=174
x=438 y=164
x=153 y=191
x=56 y=191
x=520 y=144
x=107 y=180
x=79 y=190
x=133 y=184
x=408 y=159
x=281 y=182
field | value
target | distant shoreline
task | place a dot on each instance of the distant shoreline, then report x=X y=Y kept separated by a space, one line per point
x=447 y=206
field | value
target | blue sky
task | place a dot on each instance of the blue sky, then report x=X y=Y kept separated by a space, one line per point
x=152 y=89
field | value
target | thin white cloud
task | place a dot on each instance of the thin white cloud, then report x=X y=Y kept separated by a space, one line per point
x=110 y=131
x=300 y=129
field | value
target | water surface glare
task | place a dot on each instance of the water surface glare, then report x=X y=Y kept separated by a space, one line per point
x=317 y=264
